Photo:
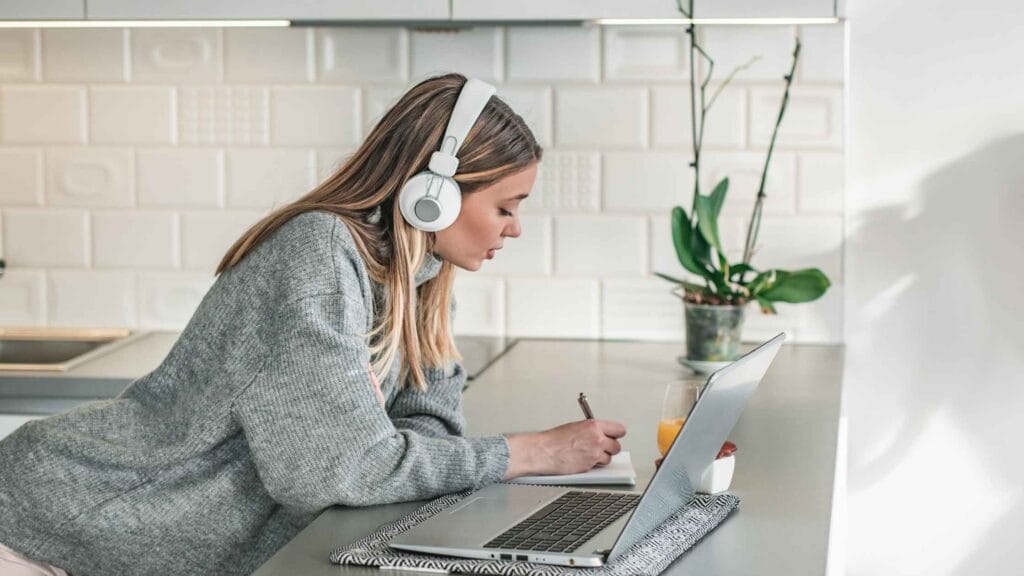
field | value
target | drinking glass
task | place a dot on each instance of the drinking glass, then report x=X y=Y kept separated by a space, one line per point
x=680 y=396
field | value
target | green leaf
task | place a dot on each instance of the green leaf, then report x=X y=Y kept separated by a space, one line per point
x=682 y=232
x=796 y=287
x=718 y=197
x=707 y=222
x=766 y=306
x=740 y=268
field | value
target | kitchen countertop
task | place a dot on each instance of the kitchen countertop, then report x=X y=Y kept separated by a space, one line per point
x=105 y=376
x=787 y=444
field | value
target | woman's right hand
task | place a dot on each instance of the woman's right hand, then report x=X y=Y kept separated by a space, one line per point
x=567 y=449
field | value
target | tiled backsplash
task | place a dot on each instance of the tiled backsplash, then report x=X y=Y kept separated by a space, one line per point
x=131 y=159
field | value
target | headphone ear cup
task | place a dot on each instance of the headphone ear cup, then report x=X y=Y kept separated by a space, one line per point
x=430 y=213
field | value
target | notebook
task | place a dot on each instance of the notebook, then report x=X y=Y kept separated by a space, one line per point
x=618 y=471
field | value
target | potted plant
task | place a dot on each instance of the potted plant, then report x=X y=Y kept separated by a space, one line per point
x=714 y=304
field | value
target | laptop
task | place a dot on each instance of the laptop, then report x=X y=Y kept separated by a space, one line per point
x=573 y=527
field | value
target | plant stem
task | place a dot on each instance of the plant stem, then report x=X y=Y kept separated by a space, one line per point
x=755 y=219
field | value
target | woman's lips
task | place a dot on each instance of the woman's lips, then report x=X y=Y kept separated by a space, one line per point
x=490 y=253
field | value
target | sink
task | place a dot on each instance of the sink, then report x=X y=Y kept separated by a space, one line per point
x=55 y=349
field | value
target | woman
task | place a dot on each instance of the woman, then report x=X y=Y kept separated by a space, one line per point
x=318 y=370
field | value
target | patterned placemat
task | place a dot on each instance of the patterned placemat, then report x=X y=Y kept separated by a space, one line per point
x=650 y=556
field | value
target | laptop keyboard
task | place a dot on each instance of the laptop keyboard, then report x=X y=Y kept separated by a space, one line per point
x=566 y=523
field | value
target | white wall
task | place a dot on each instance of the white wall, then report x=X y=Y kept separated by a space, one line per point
x=935 y=330
x=131 y=159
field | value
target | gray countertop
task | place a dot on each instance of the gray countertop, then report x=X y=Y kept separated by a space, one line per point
x=787 y=440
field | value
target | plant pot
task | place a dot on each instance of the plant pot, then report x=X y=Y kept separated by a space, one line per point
x=713 y=332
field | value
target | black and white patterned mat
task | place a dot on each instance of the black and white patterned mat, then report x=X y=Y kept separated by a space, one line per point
x=650 y=556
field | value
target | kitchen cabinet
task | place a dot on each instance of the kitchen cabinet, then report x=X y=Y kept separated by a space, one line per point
x=42 y=9
x=10 y=422
x=381 y=10
x=590 y=9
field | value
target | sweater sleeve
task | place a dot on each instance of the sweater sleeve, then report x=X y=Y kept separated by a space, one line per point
x=318 y=435
x=436 y=411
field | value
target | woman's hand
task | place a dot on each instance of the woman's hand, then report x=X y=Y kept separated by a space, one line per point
x=568 y=449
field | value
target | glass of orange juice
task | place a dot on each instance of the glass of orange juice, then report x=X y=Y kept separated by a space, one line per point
x=680 y=397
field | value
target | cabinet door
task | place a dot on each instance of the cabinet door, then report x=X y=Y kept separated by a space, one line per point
x=10 y=422
x=42 y=9
x=589 y=9
x=256 y=9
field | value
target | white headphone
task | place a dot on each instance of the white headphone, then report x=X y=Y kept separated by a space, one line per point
x=431 y=200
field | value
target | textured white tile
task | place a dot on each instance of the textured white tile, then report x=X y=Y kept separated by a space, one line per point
x=724 y=127
x=167 y=300
x=268 y=54
x=22 y=172
x=23 y=298
x=600 y=245
x=732 y=46
x=83 y=54
x=589 y=117
x=50 y=237
x=640 y=181
x=821 y=53
x=224 y=115
x=174 y=177
x=744 y=172
x=176 y=55
x=19 y=55
x=814 y=117
x=134 y=239
x=371 y=54
x=206 y=236
x=315 y=116
x=377 y=101
x=566 y=181
x=646 y=53
x=479 y=305
x=330 y=160
x=529 y=254
x=553 y=53
x=474 y=52
x=804 y=242
x=820 y=182
x=133 y=115
x=264 y=178
x=44 y=114
x=640 y=309
x=89 y=176
x=558 y=308
x=91 y=298
x=534 y=105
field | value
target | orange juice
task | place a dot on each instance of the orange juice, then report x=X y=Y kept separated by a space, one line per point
x=667 y=431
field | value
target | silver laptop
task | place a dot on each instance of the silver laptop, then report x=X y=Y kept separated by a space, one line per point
x=572 y=527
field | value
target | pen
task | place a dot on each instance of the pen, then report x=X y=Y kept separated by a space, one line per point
x=585 y=406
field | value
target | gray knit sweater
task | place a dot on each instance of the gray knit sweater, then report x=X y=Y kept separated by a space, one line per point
x=262 y=414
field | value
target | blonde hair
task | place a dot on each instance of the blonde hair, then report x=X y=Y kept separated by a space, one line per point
x=415 y=320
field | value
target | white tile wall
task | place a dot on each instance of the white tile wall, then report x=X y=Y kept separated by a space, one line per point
x=19 y=55
x=132 y=115
x=553 y=53
x=91 y=298
x=87 y=177
x=22 y=177
x=85 y=55
x=130 y=161
x=42 y=114
x=179 y=55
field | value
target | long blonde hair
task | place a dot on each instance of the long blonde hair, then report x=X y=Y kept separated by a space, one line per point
x=415 y=320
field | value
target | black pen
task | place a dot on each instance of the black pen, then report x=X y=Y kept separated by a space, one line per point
x=585 y=406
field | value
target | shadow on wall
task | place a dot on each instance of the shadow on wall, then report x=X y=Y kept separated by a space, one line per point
x=935 y=395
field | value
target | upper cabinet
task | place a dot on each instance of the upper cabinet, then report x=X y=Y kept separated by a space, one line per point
x=42 y=9
x=268 y=9
x=591 y=9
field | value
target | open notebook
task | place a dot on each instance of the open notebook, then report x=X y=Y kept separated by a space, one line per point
x=618 y=471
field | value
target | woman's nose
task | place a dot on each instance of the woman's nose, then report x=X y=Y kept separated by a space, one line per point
x=513 y=230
